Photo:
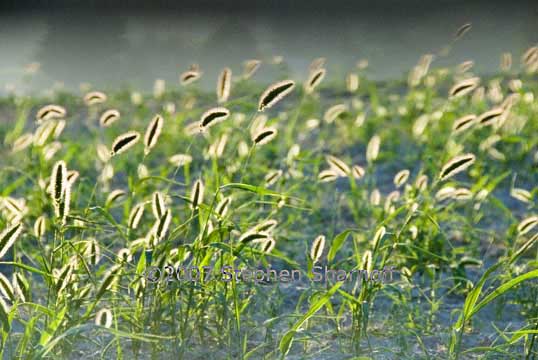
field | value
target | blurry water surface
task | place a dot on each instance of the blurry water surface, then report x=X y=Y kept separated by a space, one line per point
x=114 y=49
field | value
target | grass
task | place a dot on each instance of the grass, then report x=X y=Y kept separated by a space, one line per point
x=465 y=283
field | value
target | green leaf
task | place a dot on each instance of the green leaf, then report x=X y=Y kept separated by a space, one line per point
x=251 y=188
x=472 y=298
x=47 y=334
x=337 y=243
x=287 y=339
x=503 y=289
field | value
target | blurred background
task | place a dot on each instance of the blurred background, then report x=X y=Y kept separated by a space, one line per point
x=53 y=44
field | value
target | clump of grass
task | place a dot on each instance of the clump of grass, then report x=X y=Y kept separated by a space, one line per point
x=396 y=175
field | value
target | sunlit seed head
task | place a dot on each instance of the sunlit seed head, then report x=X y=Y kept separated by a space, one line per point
x=43 y=133
x=274 y=93
x=242 y=149
x=357 y=171
x=224 y=84
x=253 y=236
x=153 y=132
x=352 y=82
x=268 y=245
x=94 y=98
x=136 y=215
x=367 y=261
x=490 y=117
x=338 y=165
x=58 y=180
x=401 y=178
x=22 y=142
x=223 y=206
x=312 y=124
x=327 y=175
x=527 y=224
x=213 y=117
x=372 y=149
x=197 y=194
x=378 y=236
x=375 y=197
x=463 y=123
x=264 y=136
x=317 y=248
x=180 y=159
x=124 y=142
x=103 y=153
x=124 y=256
x=446 y=192
x=104 y=318
x=142 y=171
x=40 y=226
x=334 y=112
x=109 y=117
x=115 y=197
x=390 y=199
x=464 y=87
x=6 y=289
x=521 y=195
x=413 y=230
x=159 y=88
x=49 y=112
x=189 y=77
x=158 y=205
x=456 y=165
x=272 y=177
x=250 y=67
x=50 y=150
x=314 y=79
x=420 y=125
x=462 y=194
x=422 y=182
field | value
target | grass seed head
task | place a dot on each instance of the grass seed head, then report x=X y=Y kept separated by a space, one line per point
x=180 y=159
x=401 y=178
x=314 y=79
x=264 y=136
x=250 y=67
x=58 y=181
x=153 y=132
x=158 y=205
x=463 y=123
x=94 y=98
x=189 y=77
x=40 y=226
x=136 y=215
x=275 y=93
x=197 y=194
x=51 y=111
x=372 y=149
x=327 y=175
x=521 y=195
x=464 y=87
x=317 y=248
x=526 y=225
x=456 y=165
x=123 y=142
x=109 y=117
x=104 y=318
x=213 y=116
x=224 y=85
x=6 y=289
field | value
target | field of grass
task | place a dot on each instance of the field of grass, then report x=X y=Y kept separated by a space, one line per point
x=100 y=212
